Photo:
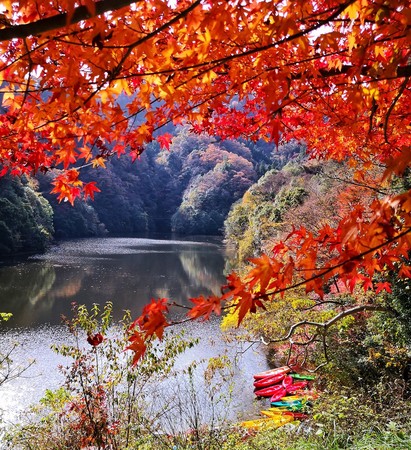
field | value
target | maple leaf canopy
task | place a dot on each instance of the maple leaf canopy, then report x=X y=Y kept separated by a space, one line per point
x=334 y=73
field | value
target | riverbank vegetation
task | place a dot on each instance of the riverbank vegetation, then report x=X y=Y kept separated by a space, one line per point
x=107 y=402
x=329 y=239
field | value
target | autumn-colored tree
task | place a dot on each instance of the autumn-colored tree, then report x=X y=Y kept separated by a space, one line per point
x=334 y=73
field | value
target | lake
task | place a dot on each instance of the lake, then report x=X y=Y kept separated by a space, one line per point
x=127 y=271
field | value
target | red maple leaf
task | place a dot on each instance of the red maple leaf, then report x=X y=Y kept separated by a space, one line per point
x=384 y=286
x=204 y=307
x=137 y=345
x=165 y=140
x=152 y=320
x=89 y=189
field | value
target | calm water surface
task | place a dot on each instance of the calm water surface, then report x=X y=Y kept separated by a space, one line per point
x=128 y=272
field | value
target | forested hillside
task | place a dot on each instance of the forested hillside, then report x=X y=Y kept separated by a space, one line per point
x=303 y=193
x=26 y=218
x=188 y=188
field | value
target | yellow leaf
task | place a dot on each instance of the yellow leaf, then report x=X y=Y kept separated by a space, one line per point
x=8 y=98
x=209 y=77
x=379 y=50
x=352 y=42
x=205 y=37
x=166 y=90
x=353 y=10
x=104 y=96
x=120 y=86
x=99 y=161
x=375 y=93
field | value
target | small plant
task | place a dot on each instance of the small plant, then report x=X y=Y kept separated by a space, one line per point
x=8 y=369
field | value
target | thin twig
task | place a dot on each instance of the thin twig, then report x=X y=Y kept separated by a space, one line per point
x=392 y=106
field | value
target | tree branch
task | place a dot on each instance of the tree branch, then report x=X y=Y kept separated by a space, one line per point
x=61 y=20
x=401 y=72
x=324 y=326
x=330 y=269
x=392 y=106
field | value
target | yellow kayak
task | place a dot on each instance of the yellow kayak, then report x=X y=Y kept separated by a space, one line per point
x=292 y=398
x=275 y=414
x=268 y=422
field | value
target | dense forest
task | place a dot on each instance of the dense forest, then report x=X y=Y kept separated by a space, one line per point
x=26 y=217
x=201 y=178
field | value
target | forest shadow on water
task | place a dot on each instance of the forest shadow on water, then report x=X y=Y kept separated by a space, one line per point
x=127 y=271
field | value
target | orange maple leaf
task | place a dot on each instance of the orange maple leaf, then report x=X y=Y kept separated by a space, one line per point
x=204 y=307
x=67 y=186
x=99 y=161
x=264 y=271
x=247 y=303
x=397 y=164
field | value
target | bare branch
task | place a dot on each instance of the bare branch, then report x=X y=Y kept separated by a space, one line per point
x=355 y=310
x=321 y=330
x=323 y=326
x=294 y=328
x=356 y=183
x=320 y=303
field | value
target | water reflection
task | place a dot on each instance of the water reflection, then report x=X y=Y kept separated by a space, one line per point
x=127 y=271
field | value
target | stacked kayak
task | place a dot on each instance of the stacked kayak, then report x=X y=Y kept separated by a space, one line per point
x=288 y=395
x=267 y=422
x=280 y=384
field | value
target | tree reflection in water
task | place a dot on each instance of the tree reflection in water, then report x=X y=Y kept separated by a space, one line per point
x=127 y=271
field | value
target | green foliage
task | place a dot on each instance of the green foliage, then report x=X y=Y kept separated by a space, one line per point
x=400 y=300
x=80 y=220
x=25 y=217
x=4 y=317
x=260 y=215
x=297 y=437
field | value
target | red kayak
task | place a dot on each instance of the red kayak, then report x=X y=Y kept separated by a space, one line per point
x=287 y=382
x=269 y=381
x=269 y=373
x=295 y=386
x=277 y=395
x=270 y=391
